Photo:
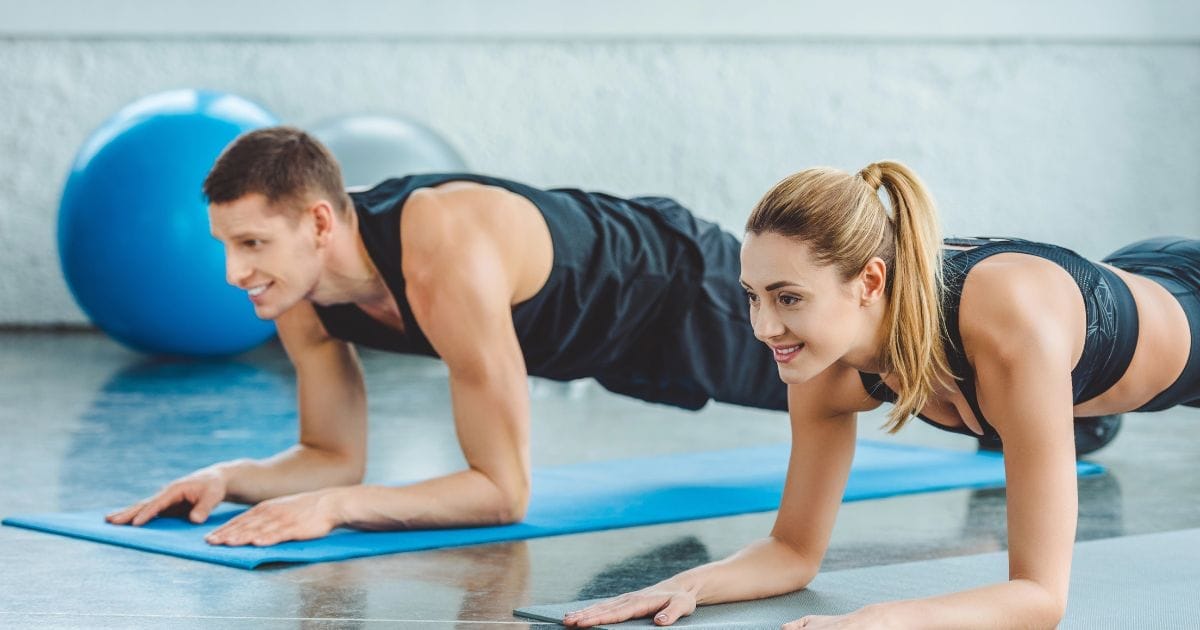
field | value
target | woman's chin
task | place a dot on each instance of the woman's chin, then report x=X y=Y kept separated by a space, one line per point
x=793 y=376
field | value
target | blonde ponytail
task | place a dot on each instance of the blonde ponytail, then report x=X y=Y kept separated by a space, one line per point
x=915 y=348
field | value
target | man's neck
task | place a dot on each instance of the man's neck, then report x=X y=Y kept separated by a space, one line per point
x=350 y=275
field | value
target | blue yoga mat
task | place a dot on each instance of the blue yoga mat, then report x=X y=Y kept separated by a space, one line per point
x=576 y=498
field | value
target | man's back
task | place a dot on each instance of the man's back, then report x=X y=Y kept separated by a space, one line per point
x=623 y=273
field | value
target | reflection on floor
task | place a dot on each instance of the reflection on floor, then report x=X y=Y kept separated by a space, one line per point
x=87 y=424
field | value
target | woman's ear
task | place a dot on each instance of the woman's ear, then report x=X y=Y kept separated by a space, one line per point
x=874 y=281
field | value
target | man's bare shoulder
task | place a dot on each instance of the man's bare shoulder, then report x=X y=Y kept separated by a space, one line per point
x=300 y=327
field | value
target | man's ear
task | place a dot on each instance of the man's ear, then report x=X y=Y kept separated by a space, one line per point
x=323 y=221
x=874 y=281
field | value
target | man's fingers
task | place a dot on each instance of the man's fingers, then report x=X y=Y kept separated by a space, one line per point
x=220 y=534
x=272 y=537
x=258 y=535
x=204 y=506
x=262 y=533
x=121 y=517
x=227 y=532
x=193 y=498
x=156 y=504
x=241 y=530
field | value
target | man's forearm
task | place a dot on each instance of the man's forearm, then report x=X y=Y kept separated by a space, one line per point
x=298 y=469
x=465 y=498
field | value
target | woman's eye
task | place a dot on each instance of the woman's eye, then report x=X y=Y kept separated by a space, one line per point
x=789 y=300
x=752 y=298
x=251 y=243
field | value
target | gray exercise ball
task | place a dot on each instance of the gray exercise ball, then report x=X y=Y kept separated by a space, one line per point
x=372 y=148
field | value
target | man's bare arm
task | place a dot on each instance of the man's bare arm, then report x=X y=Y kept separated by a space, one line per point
x=460 y=284
x=332 y=446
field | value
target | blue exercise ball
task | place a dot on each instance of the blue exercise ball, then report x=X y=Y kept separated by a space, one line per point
x=133 y=233
x=372 y=148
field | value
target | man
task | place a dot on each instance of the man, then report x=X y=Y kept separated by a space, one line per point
x=499 y=279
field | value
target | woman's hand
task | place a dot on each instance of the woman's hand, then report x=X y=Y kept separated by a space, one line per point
x=667 y=601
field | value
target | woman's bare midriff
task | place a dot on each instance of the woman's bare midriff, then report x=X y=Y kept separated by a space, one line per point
x=1163 y=345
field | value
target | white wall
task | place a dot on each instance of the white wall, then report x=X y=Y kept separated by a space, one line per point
x=1072 y=122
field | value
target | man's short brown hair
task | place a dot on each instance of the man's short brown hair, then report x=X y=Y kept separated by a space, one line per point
x=284 y=164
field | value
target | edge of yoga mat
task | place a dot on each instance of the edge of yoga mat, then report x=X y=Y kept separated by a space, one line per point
x=1157 y=591
x=557 y=513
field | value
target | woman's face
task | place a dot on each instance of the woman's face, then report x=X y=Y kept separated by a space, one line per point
x=804 y=311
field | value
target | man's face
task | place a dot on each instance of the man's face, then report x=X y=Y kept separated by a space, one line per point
x=270 y=253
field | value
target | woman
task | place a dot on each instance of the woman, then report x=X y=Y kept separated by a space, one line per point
x=991 y=337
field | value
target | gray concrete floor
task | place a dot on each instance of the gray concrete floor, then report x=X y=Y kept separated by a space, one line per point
x=87 y=424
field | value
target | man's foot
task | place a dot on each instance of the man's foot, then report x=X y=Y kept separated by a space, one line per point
x=990 y=442
x=1091 y=434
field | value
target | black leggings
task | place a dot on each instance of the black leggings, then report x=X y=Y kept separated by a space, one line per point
x=1174 y=263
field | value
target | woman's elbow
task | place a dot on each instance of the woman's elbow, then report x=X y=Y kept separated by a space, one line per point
x=1047 y=607
x=799 y=566
x=1056 y=612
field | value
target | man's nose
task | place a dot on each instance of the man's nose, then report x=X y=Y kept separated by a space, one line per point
x=235 y=271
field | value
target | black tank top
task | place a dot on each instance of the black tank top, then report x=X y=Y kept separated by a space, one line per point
x=1112 y=322
x=624 y=270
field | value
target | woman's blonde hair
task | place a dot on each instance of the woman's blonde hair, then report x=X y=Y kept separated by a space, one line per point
x=845 y=224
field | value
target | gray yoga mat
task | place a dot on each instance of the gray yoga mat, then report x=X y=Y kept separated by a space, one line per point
x=1146 y=581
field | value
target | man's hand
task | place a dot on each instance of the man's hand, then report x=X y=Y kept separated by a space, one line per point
x=301 y=516
x=195 y=495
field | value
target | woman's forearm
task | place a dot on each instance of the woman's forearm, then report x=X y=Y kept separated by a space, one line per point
x=764 y=568
x=1017 y=603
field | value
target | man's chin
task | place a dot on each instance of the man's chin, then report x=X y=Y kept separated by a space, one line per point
x=275 y=308
x=267 y=313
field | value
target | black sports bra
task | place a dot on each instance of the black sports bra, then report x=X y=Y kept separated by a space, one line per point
x=1112 y=322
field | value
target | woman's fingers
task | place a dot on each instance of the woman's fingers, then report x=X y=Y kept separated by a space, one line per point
x=676 y=608
x=632 y=606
